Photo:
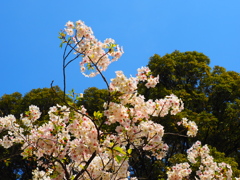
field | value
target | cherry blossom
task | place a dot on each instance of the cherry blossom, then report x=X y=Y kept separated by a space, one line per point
x=74 y=145
x=96 y=55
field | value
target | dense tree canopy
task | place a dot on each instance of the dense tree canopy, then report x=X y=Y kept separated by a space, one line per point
x=210 y=96
x=93 y=99
x=44 y=98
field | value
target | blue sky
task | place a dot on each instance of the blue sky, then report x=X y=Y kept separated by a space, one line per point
x=31 y=58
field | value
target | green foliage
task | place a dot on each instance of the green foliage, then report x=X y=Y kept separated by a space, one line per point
x=93 y=99
x=62 y=36
x=11 y=104
x=144 y=166
x=43 y=98
x=111 y=47
x=180 y=73
x=97 y=115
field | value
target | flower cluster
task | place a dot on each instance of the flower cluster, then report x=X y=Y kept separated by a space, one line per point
x=97 y=55
x=30 y=116
x=133 y=113
x=190 y=125
x=144 y=74
x=179 y=171
x=123 y=84
x=41 y=175
x=67 y=134
x=208 y=168
x=129 y=85
x=13 y=129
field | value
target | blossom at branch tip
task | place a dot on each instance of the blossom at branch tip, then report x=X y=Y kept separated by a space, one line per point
x=96 y=55
x=190 y=125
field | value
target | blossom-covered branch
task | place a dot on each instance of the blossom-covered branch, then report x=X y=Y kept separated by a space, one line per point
x=72 y=145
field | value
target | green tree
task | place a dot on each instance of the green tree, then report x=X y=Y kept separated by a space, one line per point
x=11 y=104
x=44 y=98
x=223 y=92
x=211 y=99
x=93 y=99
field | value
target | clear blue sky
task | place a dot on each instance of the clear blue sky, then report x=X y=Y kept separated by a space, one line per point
x=31 y=58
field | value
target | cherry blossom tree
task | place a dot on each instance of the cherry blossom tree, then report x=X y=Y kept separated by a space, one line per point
x=74 y=145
